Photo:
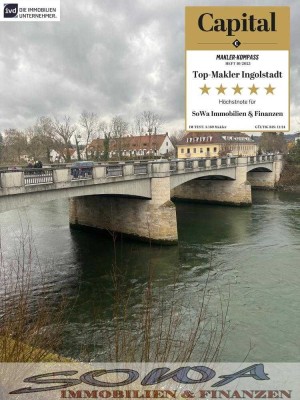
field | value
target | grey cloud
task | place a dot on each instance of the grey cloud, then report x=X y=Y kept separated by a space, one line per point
x=108 y=56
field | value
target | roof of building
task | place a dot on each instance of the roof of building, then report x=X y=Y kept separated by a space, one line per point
x=215 y=137
x=145 y=142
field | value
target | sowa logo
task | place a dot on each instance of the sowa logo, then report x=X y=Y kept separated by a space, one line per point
x=10 y=10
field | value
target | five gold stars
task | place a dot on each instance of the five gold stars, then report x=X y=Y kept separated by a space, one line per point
x=237 y=89
x=205 y=89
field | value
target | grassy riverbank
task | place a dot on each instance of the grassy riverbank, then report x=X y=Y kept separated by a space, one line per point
x=12 y=350
x=30 y=326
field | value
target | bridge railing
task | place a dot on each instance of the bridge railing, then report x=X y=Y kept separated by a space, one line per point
x=37 y=176
x=20 y=177
x=140 y=169
x=188 y=164
x=213 y=163
x=115 y=170
x=201 y=163
x=173 y=166
x=223 y=161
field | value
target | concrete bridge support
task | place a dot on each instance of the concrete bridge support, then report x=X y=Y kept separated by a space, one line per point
x=261 y=179
x=266 y=179
x=217 y=190
x=152 y=220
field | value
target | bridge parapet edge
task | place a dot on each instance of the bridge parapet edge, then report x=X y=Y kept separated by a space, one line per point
x=13 y=179
x=22 y=181
x=62 y=175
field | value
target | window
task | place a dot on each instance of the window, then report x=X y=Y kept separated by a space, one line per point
x=181 y=151
x=215 y=149
x=201 y=150
x=195 y=150
x=188 y=150
x=167 y=143
x=208 y=149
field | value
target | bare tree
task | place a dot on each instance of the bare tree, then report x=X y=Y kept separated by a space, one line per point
x=138 y=124
x=90 y=125
x=177 y=136
x=41 y=139
x=15 y=143
x=106 y=134
x=103 y=129
x=118 y=130
x=148 y=121
x=63 y=132
x=118 y=127
x=272 y=142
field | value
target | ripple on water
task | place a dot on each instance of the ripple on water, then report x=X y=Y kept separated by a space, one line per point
x=250 y=254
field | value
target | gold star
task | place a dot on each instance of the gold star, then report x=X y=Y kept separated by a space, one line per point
x=270 y=89
x=253 y=89
x=221 y=89
x=237 y=89
x=205 y=89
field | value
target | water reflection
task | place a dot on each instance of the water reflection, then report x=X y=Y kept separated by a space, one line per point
x=253 y=250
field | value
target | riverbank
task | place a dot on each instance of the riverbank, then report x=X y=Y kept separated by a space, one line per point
x=17 y=351
x=290 y=178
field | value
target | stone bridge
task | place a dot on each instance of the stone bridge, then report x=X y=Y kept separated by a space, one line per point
x=135 y=198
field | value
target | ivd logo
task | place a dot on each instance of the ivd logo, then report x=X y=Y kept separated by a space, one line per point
x=10 y=10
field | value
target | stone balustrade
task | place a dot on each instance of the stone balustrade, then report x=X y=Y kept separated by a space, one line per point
x=17 y=179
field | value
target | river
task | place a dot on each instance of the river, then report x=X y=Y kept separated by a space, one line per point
x=252 y=255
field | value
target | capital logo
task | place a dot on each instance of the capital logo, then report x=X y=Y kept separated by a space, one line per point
x=10 y=10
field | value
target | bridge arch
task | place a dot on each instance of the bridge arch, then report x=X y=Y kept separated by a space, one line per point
x=263 y=176
x=256 y=168
x=177 y=180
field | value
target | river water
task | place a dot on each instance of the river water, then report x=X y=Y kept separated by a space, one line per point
x=252 y=256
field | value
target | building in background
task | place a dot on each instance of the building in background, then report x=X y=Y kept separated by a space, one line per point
x=133 y=146
x=61 y=156
x=216 y=144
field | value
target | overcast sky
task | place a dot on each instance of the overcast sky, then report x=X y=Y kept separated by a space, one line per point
x=113 y=57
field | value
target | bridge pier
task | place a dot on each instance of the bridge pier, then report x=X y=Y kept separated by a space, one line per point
x=260 y=179
x=152 y=220
x=221 y=191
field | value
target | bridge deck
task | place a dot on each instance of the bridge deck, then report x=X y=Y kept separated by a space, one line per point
x=119 y=178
